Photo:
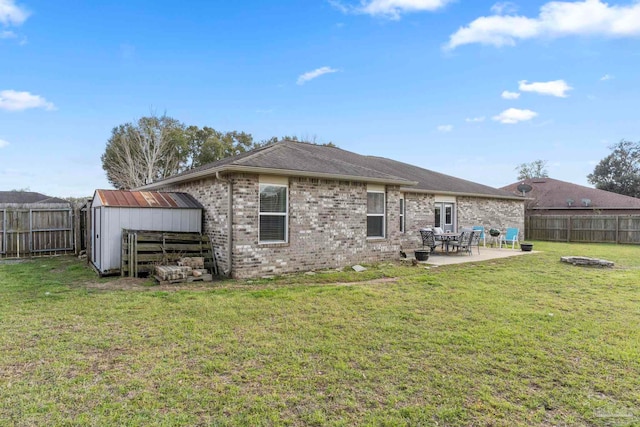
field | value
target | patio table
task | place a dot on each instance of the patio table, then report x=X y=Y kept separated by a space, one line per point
x=446 y=238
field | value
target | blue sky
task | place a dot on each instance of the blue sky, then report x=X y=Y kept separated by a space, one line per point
x=467 y=88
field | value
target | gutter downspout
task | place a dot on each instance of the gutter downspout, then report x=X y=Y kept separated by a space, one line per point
x=229 y=223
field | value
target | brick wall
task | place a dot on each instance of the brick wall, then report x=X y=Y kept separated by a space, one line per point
x=327 y=223
x=491 y=213
x=419 y=213
x=470 y=211
x=327 y=228
x=213 y=195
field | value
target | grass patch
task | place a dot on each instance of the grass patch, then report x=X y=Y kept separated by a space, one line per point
x=520 y=341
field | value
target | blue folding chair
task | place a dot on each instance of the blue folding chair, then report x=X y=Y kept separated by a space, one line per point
x=511 y=236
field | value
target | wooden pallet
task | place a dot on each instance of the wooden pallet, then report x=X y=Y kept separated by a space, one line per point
x=143 y=250
x=190 y=279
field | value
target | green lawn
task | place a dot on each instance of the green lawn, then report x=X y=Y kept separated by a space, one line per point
x=520 y=341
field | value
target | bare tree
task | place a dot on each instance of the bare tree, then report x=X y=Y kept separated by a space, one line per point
x=142 y=152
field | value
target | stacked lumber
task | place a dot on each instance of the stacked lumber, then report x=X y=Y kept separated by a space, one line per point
x=170 y=274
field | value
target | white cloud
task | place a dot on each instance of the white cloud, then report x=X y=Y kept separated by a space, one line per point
x=392 y=9
x=474 y=119
x=606 y=77
x=556 y=19
x=7 y=35
x=3 y=143
x=12 y=100
x=510 y=95
x=11 y=13
x=557 y=88
x=303 y=78
x=514 y=115
x=503 y=8
x=445 y=128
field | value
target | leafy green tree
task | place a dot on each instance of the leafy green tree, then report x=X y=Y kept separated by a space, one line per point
x=619 y=172
x=142 y=152
x=208 y=145
x=535 y=169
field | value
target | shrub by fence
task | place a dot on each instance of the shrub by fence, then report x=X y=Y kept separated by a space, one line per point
x=584 y=228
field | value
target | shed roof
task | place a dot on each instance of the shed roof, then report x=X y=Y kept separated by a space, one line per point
x=304 y=159
x=147 y=199
x=549 y=193
x=27 y=197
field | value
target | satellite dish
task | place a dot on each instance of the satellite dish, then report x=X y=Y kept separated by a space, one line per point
x=524 y=188
x=570 y=202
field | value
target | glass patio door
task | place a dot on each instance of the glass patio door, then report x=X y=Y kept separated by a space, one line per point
x=445 y=216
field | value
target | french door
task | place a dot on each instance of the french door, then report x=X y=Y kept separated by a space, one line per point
x=445 y=216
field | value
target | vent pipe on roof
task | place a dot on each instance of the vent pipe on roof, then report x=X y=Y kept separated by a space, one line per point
x=586 y=202
x=570 y=202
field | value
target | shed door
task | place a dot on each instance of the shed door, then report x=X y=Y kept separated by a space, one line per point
x=96 y=230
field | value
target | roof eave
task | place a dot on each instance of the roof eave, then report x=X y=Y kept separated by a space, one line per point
x=462 y=194
x=271 y=171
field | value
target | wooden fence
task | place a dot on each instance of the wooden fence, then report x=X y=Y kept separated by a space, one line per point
x=584 y=228
x=29 y=232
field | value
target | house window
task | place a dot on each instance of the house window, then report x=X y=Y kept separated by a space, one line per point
x=402 y=208
x=274 y=215
x=375 y=214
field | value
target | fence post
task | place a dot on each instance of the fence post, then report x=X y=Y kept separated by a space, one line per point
x=617 y=229
x=569 y=228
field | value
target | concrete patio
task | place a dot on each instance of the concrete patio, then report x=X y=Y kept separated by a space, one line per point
x=440 y=258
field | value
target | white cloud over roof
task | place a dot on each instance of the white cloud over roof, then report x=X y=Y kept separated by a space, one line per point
x=556 y=19
x=12 y=100
x=11 y=13
x=514 y=115
x=310 y=75
x=390 y=8
x=557 y=88
x=510 y=95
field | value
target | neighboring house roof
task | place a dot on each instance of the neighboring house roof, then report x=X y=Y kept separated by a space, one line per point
x=548 y=193
x=147 y=199
x=26 y=197
x=291 y=158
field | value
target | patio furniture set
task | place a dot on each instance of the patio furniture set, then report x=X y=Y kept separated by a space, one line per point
x=462 y=242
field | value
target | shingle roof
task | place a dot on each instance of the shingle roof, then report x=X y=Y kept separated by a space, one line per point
x=552 y=193
x=325 y=161
x=26 y=197
x=147 y=199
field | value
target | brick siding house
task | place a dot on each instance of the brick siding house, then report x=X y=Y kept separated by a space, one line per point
x=291 y=206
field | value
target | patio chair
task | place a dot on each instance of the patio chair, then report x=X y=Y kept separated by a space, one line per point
x=511 y=236
x=481 y=237
x=428 y=239
x=464 y=242
x=475 y=240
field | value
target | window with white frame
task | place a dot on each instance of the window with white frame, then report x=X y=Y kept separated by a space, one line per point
x=402 y=209
x=274 y=214
x=375 y=213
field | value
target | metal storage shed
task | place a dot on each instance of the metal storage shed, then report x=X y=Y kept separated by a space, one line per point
x=114 y=210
